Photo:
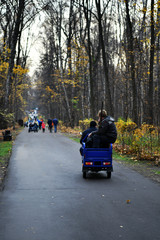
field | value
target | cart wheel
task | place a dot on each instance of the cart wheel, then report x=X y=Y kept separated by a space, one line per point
x=108 y=174
x=84 y=174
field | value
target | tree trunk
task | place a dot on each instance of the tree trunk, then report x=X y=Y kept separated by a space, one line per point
x=158 y=66
x=150 y=92
x=91 y=103
x=109 y=106
x=13 y=50
x=132 y=63
x=61 y=68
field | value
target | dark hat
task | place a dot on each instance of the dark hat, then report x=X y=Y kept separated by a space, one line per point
x=93 y=124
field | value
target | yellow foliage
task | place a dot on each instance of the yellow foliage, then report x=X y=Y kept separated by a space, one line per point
x=146 y=128
x=84 y=124
x=19 y=71
x=144 y=10
x=142 y=142
x=127 y=126
x=4 y=66
x=121 y=125
x=138 y=134
x=51 y=91
x=17 y=78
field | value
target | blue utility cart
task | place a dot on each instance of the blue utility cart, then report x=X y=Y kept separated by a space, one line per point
x=97 y=159
x=33 y=128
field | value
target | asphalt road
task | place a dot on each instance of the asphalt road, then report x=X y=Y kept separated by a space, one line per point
x=46 y=198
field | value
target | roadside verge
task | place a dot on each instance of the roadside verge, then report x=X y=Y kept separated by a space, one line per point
x=5 y=153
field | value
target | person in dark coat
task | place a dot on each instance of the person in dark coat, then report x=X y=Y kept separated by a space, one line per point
x=55 y=122
x=85 y=134
x=50 y=125
x=106 y=132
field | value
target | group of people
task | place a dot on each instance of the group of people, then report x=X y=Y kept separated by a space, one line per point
x=52 y=123
x=101 y=136
x=41 y=125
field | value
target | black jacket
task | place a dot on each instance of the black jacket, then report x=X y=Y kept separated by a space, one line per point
x=49 y=122
x=108 y=129
x=85 y=134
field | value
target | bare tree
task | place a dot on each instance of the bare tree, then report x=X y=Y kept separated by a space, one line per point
x=15 y=36
x=109 y=105
x=158 y=65
x=132 y=61
x=150 y=89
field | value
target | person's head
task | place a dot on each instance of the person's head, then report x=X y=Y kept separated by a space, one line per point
x=93 y=124
x=102 y=113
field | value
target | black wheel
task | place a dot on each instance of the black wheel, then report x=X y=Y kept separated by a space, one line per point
x=84 y=174
x=108 y=174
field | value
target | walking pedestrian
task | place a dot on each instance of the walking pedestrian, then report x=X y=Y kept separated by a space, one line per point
x=55 y=122
x=50 y=125
x=43 y=126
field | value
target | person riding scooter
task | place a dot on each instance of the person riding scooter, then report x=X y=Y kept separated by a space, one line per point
x=106 y=132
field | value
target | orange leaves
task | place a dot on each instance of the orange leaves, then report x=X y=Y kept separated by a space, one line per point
x=69 y=130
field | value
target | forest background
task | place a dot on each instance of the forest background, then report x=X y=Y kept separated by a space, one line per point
x=90 y=51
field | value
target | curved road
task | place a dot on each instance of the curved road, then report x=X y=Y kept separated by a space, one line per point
x=46 y=198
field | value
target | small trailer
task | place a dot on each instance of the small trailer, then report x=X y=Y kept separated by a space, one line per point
x=97 y=159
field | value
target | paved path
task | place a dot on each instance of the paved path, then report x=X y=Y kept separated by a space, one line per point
x=46 y=198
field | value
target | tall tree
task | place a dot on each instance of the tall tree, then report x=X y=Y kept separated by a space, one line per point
x=132 y=61
x=158 y=62
x=109 y=105
x=88 y=15
x=15 y=36
x=150 y=89
x=61 y=63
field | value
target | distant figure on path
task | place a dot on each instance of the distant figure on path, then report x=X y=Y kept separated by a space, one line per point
x=43 y=126
x=55 y=122
x=40 y=124
x=50 y=125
